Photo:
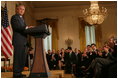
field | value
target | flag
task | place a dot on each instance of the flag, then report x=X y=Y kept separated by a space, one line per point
x=6 y=35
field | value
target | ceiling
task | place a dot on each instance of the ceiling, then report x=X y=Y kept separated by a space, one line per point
x=47 y=4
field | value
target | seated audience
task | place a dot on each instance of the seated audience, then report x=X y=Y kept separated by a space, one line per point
x=93 y=62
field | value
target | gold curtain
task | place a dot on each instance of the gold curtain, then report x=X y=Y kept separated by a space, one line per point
x=82 y=38
x=98 y=36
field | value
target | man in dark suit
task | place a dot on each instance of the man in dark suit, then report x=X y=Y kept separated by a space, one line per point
x=69 y=61
x=19 y=41
x=77 y=61
x=48 y=57
x=54 y=59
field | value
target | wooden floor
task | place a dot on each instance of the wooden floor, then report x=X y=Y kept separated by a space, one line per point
x=53 y=74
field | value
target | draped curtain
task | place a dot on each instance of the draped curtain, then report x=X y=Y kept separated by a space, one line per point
x=82 y=38
x=98 y=35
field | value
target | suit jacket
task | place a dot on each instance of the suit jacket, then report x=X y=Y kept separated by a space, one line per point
x=69 y=59
x=77 y=59
x=48 y=57
x=18 y=26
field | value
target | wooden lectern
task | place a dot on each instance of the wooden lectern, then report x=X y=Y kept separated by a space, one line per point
x=39 y=67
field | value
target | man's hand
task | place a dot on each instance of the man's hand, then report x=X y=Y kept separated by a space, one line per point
x=27 y=27
x=30 y=26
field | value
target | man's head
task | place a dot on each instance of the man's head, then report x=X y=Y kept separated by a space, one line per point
x=111 y=40
x=53 y=51
x=58 y=51
x=88 y=47
x=69 y=49
x=93 y=46
x=76 y=50
x=49 y=51
x=106 y=49
x=62 y=50
x=20 y=9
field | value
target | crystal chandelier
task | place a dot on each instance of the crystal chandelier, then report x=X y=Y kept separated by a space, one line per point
x=95 y=15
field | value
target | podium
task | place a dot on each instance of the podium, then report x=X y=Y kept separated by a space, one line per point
x=39 y=68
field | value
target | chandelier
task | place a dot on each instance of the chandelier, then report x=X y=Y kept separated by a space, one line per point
x=95 y=15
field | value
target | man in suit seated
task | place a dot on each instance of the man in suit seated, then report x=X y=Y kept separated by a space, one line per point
x=49 y=57
x=54 y=59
